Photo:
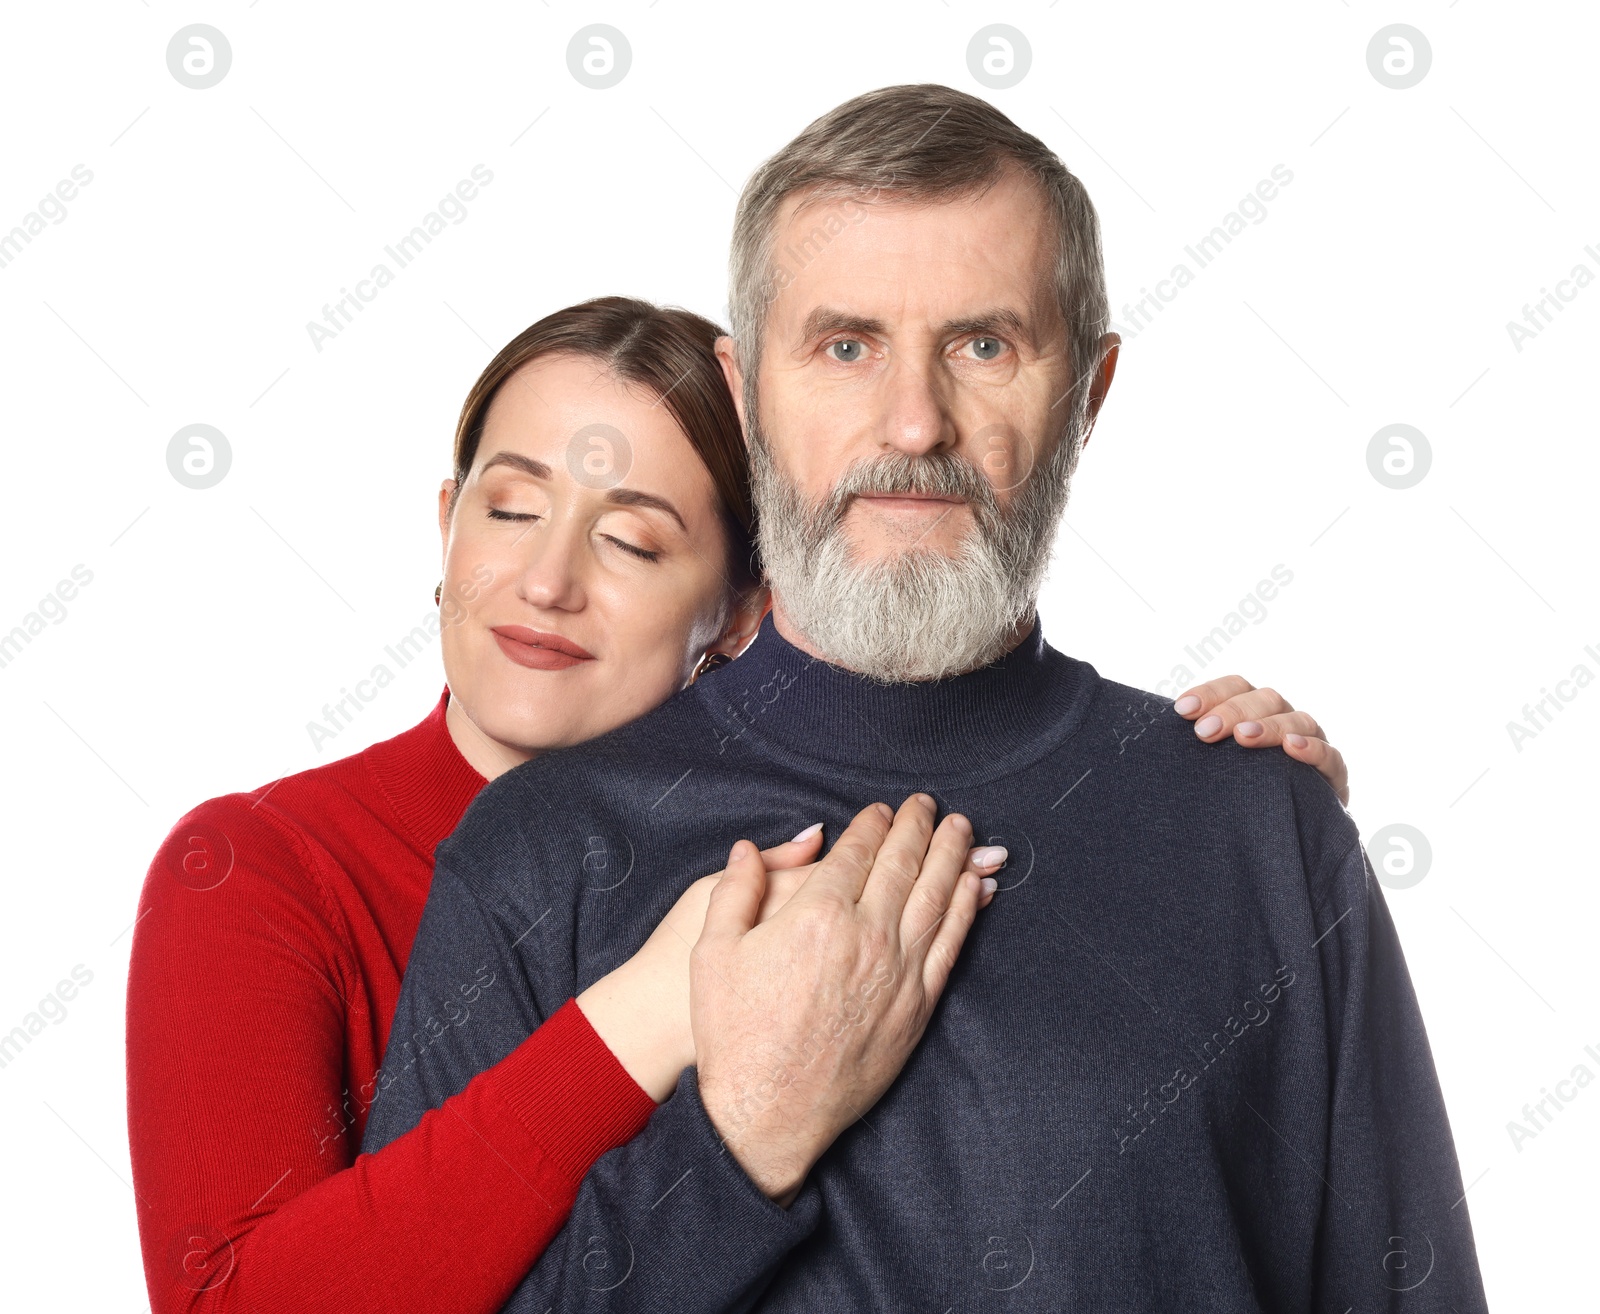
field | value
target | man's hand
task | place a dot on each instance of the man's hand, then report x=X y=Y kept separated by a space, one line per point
x=802 y=1021
x=641 y=1008
x=1262 y=718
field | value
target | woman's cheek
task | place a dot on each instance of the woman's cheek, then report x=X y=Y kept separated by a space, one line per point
x=462 y=669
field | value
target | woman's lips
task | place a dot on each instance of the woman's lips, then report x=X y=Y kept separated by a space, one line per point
x=538 y=650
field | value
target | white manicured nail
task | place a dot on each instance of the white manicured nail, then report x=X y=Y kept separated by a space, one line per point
x=988 y=885
x=1188 y=703
x=991 y=856
x=1208 y=725
x=807 y=833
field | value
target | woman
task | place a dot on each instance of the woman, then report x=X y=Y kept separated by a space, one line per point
x=598 y=519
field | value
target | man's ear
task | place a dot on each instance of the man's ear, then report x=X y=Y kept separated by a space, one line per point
x=1101 y=383
x=728 y=358
x=446 y=492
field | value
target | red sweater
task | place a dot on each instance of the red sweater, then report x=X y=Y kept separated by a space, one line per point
x=273 y=931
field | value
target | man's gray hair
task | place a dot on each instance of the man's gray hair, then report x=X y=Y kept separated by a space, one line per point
x=918 y=142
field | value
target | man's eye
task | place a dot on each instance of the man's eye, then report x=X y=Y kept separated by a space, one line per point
x=849 y=350
x=987 y=348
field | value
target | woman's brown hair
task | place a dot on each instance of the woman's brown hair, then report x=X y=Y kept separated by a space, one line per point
x=661 y=348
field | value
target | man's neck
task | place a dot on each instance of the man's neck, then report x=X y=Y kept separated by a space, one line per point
x=787 y=628
x=801 y=706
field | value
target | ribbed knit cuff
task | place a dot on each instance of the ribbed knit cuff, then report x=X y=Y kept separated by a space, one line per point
x=568 y=1089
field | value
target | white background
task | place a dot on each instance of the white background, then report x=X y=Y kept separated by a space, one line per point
x=1376 y=291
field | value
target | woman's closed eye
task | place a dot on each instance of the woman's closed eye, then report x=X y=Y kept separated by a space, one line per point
x=633 y=549
x=505 y=515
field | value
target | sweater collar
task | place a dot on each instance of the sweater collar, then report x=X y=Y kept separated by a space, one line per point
x=426 y=780
x=811 y=709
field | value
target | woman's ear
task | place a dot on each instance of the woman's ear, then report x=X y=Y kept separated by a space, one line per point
x=447 y=492
x=749 y=610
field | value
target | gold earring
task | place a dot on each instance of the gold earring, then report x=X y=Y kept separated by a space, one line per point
x=438 y=594
x=709 y=663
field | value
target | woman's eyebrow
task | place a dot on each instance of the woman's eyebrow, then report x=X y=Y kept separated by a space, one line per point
x=528 y=466
x=635 y=497
x=616 y=496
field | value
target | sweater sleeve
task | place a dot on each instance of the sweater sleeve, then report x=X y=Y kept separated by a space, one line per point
x=1394 y=1232
x=247 y=1196
x=670 y=1221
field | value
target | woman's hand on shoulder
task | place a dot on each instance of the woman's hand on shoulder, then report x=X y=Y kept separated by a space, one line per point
x=1262 y=718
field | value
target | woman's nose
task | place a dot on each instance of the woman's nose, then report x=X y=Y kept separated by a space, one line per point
x=553 y=568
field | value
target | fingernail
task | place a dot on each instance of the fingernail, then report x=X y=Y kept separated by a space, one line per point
x=1188 y=703
x=807 y=833
x=1295 y=741
x=988 y=885
x=885 y=811
x=991 y=855
x=1208 y=726
x=1249 y=729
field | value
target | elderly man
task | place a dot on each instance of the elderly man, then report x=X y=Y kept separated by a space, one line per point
x=1179 y=1064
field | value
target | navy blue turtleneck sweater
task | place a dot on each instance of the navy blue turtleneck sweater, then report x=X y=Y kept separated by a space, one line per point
x=1179 y=1065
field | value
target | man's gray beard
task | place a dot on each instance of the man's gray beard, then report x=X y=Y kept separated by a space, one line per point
x=920 y=614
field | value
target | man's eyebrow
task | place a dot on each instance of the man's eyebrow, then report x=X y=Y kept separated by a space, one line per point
x=528 y=466
x=826 y=319
x=637 y=497
x=999 y=320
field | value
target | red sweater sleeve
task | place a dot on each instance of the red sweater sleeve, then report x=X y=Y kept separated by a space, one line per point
x=237 y=999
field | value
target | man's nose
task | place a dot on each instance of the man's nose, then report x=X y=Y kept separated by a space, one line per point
x=917 y=418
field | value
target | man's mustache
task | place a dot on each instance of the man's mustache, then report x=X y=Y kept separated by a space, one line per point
x=938 y=474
